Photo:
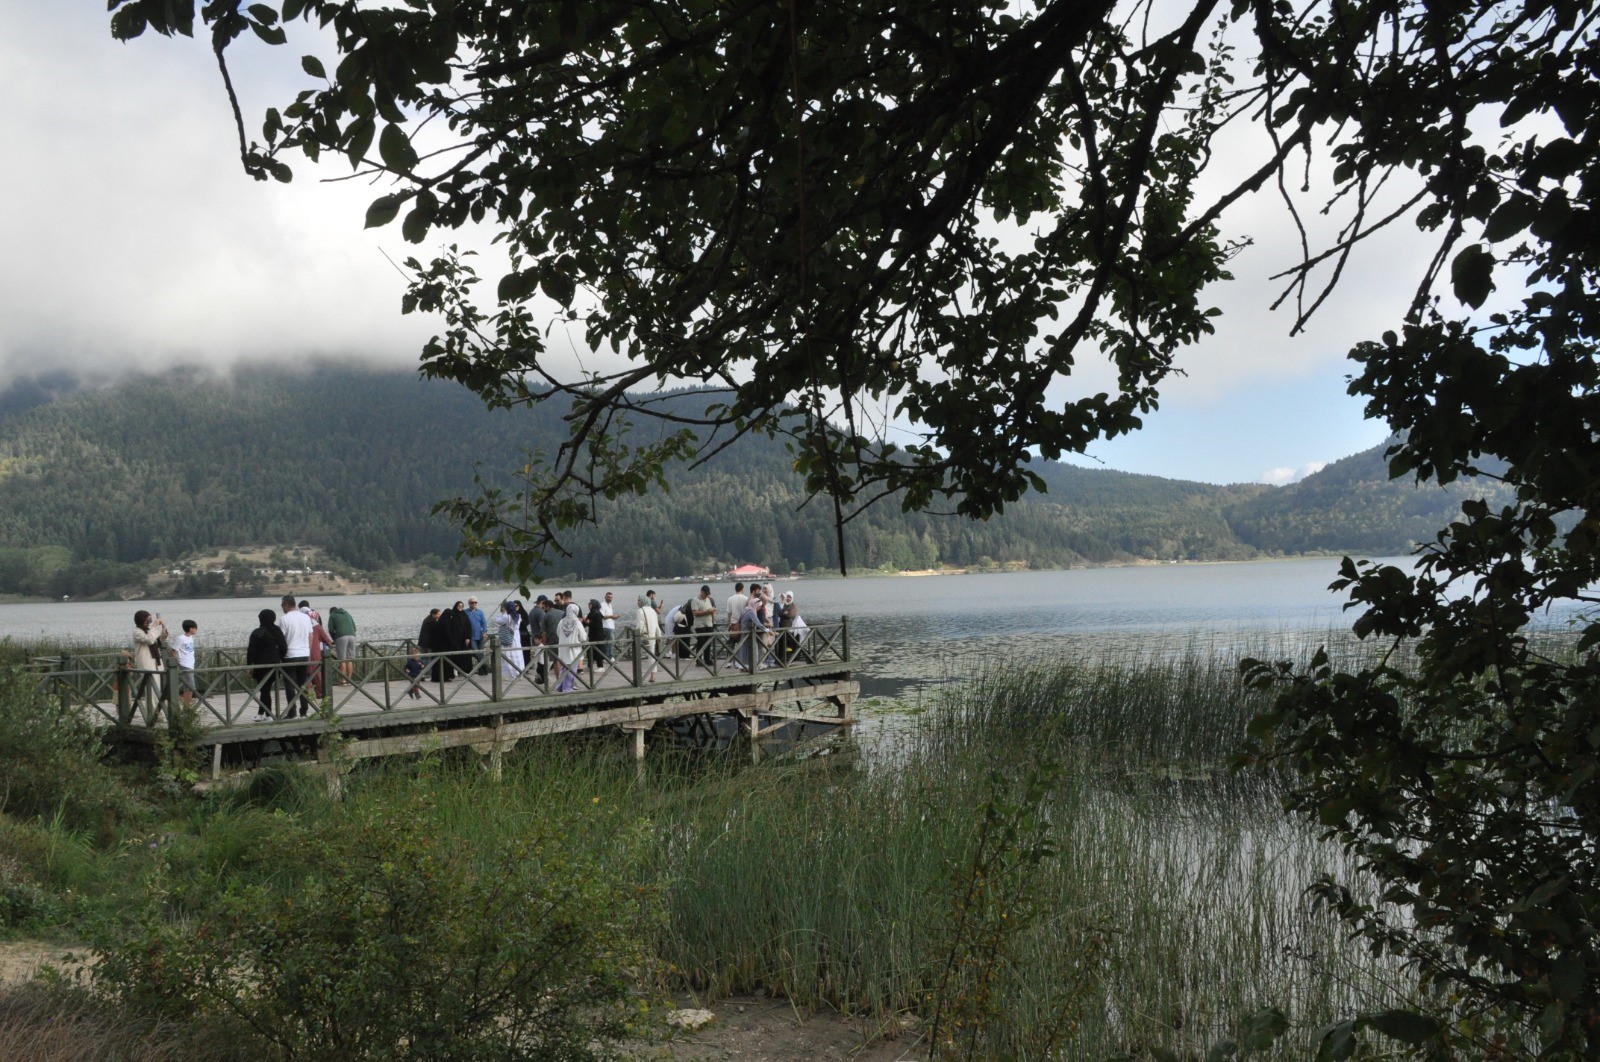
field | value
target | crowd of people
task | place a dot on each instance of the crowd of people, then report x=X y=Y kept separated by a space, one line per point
x=286 y=648
x=584 y=638
x=284 y=655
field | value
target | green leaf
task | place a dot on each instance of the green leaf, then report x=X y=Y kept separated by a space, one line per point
x=358 y=140
x=1336 y=1042
x=1568 y=976
x=270 y=34
x=383 y=210
x=263 y=14
x=1510 y=218
x=1262 y=1029
x=559 y=285
x=1472 y=275
x=127 y=24
x=292 y=9
x=395 y=148
x=515 y=287
x=1404 y=1025
x=313 y=66
x=415 y=227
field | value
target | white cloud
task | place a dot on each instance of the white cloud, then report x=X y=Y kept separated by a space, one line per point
x=1282 y=476
x=135 y=239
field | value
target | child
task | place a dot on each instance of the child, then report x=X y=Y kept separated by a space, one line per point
x=414 y=669
x=183 y=649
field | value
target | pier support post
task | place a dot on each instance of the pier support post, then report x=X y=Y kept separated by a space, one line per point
x=216 y=761
x=638 y=729
x=496 y=756
x=332 y=769
x=497 y=690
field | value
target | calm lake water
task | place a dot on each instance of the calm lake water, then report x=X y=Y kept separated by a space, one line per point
x=905 y=631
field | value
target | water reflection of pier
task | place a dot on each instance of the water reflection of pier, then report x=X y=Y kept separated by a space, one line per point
x=372 y=714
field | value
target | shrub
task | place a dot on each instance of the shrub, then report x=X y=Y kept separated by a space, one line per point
x=383 y=936
x=52 y=762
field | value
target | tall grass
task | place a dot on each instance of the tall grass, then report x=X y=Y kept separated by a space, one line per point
x=1172 y=908
x=1175 y=902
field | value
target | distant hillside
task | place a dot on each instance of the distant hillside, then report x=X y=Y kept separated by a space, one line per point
x=98 y=484
x=1352 y=506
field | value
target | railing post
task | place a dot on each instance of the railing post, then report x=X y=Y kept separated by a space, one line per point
x=124 y=695
x=496 y=681
x=326 y=663
x=638 y=674
x=64 y=686
x=844 y=638
x=169 y=693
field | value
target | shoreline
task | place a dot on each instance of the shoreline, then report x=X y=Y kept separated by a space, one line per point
x=343 y=588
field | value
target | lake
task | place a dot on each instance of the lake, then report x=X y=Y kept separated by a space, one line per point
x=905 y=630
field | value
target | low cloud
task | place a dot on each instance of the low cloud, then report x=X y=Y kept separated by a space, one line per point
x=1280 y=477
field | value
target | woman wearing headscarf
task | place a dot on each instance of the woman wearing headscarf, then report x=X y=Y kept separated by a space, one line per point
x=148 y=633
x=320 y=638
x=507 y=627
x=265 y=652
x=648 y=622
x=597 y=636
x=793 y=626
x=751 y=629
x=571 y=634
x=428 y=641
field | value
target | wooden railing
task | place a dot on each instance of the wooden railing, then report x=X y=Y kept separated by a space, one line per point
x=226 y=691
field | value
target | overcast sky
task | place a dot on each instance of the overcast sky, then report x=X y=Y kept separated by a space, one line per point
x=133 y=239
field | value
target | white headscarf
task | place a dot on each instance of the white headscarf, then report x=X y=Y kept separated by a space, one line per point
x=571 y=627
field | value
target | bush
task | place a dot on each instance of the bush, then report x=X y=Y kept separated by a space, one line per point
x=52 y=763
x=383 y=936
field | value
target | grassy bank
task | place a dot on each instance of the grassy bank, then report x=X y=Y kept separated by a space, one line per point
x=1053 y=860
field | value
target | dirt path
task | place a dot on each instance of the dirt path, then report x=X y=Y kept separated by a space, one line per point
x=21 y=959
x=744 y=1028
x=769 y=1030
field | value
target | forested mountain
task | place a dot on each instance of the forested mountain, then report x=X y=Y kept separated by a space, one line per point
x=95 y=483
x=1351 y=506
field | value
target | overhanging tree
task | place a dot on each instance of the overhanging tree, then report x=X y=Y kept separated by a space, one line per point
x=837 y=214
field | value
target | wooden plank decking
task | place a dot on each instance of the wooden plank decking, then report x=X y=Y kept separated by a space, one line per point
x=489 y=711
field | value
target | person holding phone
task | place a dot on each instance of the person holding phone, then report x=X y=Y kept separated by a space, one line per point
x=149 y=634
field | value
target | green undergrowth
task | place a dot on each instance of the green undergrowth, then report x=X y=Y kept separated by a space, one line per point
x=1052 y=862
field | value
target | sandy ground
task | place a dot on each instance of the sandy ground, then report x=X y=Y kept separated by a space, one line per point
x=769 y=1030
x=745 y=1028
x=21 y=959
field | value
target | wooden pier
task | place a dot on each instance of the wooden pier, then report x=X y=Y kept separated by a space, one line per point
x=488 y=706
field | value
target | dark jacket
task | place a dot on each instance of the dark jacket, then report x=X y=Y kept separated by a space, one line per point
x=267 y=646
x=455 y=630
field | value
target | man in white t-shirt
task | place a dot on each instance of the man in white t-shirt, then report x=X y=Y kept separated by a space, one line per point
x=296 y=627
x=608 y=621
x=736 y=602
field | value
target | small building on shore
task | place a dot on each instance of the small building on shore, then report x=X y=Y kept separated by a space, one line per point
x=749 y=571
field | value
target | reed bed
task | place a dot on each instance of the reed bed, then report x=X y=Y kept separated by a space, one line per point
x=1171 y=907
